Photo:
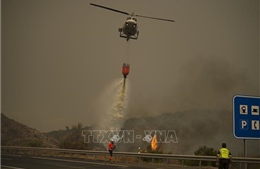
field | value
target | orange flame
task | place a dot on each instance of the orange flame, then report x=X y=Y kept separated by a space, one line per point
x=154 y=143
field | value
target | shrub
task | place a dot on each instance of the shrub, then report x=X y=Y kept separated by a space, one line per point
x=203 y=151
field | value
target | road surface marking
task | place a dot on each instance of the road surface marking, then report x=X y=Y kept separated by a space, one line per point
x=11 y=167
x=67 y=166
x=6 y=159
x=117 y=165
x=12 y=155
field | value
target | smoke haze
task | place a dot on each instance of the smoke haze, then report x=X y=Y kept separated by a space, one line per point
x=58 y=57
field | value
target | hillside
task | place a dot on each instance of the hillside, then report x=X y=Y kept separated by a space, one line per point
x=72 y=138
x=193 y=128
x=63 y=134
x=188 y=130
x=14 y=133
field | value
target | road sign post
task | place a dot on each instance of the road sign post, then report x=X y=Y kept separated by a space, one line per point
x=246 y=118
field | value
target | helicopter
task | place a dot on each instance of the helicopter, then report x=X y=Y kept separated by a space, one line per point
x=129 y=30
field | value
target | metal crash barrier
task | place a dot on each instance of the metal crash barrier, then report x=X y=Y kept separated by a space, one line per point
x=129 y=157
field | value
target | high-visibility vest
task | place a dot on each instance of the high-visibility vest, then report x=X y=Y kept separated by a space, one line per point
x=224 y=153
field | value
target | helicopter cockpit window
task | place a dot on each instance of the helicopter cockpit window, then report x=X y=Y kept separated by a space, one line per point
x=135 y=19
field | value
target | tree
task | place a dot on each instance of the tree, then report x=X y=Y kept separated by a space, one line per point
x=74 y=140
x=206 y=151
x=203 y=151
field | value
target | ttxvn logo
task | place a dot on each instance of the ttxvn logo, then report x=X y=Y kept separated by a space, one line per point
x=128 y=136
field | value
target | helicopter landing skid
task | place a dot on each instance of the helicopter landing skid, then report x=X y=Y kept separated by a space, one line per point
x=129 y=37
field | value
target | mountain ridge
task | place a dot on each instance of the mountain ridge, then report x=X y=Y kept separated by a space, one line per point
x=14 y=133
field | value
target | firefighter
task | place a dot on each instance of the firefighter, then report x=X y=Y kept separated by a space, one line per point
x=111 y=147
x=224 y=157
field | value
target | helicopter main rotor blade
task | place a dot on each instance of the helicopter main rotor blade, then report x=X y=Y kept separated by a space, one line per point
x=169 y=20
x=111 y=9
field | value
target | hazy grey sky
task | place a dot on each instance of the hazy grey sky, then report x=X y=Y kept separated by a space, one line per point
x=59 y=56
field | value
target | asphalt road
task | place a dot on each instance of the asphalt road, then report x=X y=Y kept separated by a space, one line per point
x=29 y=162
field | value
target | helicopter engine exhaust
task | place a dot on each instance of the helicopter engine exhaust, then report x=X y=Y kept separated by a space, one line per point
x=125 y=69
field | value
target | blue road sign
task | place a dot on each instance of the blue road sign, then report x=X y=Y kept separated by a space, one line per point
x=246 y=117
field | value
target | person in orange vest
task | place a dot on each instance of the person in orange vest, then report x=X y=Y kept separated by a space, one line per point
x=111 y=147
x=224 y=157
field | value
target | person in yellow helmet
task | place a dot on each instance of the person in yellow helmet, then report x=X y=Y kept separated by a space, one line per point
x=224 y=157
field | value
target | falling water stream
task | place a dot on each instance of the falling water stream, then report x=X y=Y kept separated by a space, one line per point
x=115 y=105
